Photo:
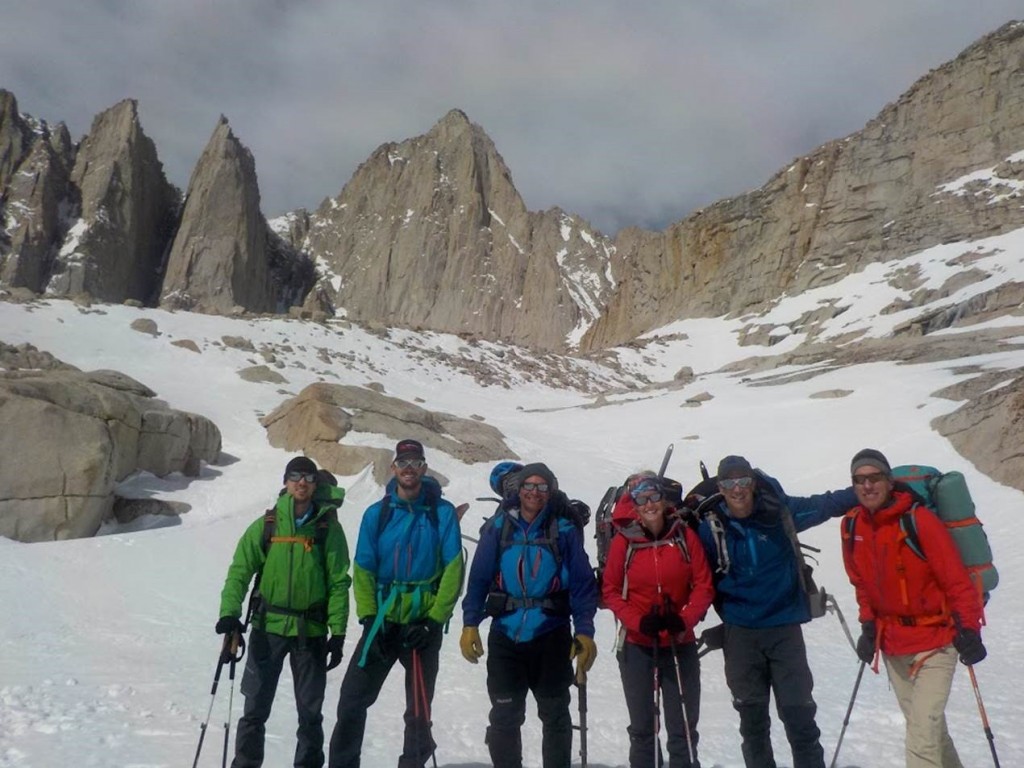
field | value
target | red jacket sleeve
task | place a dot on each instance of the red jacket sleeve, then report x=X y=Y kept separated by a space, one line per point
x=702 y=590
x=864 y=610
x=611 y=586
x=949 y=570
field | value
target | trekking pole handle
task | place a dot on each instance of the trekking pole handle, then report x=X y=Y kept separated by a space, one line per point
x=665 y=460
x=232 y=650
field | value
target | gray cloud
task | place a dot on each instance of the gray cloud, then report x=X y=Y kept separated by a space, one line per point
x=623 y=113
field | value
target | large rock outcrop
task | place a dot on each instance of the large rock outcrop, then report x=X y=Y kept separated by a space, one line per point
x=432 y=233
x=316 y=420
x=220 y=259
x=127 y=212
x=878 y=194
x=69 y=437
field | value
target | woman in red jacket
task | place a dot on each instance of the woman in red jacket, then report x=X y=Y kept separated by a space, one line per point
x=658 y=585
x=918 y=612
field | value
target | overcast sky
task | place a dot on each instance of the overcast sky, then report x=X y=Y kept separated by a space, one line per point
x=623 y=112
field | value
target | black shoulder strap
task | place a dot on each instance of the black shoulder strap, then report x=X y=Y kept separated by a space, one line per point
x=384 y=517
x=908 y=524
x=269 y=528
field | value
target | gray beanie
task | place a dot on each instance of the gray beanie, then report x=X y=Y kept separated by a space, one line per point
x=541 y=470
x=869 y=457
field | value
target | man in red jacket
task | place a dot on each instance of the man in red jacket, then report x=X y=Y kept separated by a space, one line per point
x=919 y=613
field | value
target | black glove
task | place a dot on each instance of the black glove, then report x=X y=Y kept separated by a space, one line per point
x=420 y=634
x=674 y=623
x=228 y=624
x=367 y=621
x=968 y=644
x=713 y=638
x=866 y=642
x=652 y=623
x=335 y=651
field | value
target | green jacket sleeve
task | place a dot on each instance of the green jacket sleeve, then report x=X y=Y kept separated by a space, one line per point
x=338 y=580
x=448 y=590
x=364 y=589
x=247 y=562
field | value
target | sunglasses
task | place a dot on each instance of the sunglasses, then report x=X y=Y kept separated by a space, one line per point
x=647 y=498
x=874 y=477
x=731 y=483
x=294 y=477
x=538 y=487
x=410 y=463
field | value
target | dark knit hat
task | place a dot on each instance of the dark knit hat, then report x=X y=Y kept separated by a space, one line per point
x=540 y=470
x=734 y=466
x=301 y=464
x=869 y=457
x=409 y=449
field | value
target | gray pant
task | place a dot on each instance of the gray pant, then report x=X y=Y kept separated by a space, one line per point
x=265 y=658
x=758 y=663
x=923 y=701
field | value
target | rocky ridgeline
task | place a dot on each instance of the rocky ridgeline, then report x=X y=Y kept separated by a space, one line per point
x=431 y=232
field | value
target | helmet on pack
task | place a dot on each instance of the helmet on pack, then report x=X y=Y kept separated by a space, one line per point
x=501 y=472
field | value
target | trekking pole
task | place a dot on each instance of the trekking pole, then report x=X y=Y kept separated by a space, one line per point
x=665 y=460
x=849 y=709
x=421 y=703
x=236 y=649
x=682 y=702
x=226 y=656
x=582 y=727
x=984 y=717
x=657 y=709
x=832 y=605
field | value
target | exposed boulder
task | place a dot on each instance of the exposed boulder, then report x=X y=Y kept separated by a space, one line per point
x=88 y=432
x=319 y=417
x=220 y=257
x=114 y=248
x=989 y=428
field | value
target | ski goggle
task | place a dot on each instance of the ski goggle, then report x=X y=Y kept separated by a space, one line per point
x=294 y=477
x=731 y=483
x=643 y=499
x=410 y=463
x=872 y=479
x=538 y=487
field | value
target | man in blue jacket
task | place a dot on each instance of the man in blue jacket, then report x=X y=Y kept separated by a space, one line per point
x=407 y=577
x=531 y=575
x=762 y=594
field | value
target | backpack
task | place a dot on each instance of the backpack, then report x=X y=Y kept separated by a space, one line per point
x=703 y=504
x=947 y=495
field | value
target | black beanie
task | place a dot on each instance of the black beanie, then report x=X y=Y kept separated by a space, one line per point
x=301 y=464
x=541 y=470
x=869 y=457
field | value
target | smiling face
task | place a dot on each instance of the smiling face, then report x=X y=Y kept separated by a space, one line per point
x=650 y=508
x=408 y=474
x=300 y=486
x=531 y=498
x=873 y=488
x=738 y=492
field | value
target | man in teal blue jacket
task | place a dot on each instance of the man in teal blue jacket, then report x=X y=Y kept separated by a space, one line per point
x=762 y=595
x=407 y=577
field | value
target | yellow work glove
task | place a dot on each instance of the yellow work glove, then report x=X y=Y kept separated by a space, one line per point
x=470 y=645
x=585 y=652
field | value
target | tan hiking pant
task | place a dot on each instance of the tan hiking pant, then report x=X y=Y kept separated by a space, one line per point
x=923 y=701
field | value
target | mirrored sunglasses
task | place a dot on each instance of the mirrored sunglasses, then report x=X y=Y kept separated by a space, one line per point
x=294 y=477
x=538 y=487
x=410 y=463
x=874 y=477
x=731 y=483
x=647 y=498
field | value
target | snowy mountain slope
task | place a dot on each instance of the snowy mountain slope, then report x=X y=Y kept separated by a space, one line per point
x=107 y=647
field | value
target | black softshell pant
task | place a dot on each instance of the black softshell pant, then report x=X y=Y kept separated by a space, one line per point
x=361 y=687
x=768 y=660
x=265 y=658
x=542 y=666
x=636 y=667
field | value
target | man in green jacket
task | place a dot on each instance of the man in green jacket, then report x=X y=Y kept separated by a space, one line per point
x=407 y=577
x=299 y=554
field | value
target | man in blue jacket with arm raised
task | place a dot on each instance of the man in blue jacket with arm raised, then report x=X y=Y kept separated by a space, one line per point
x=762 y=594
